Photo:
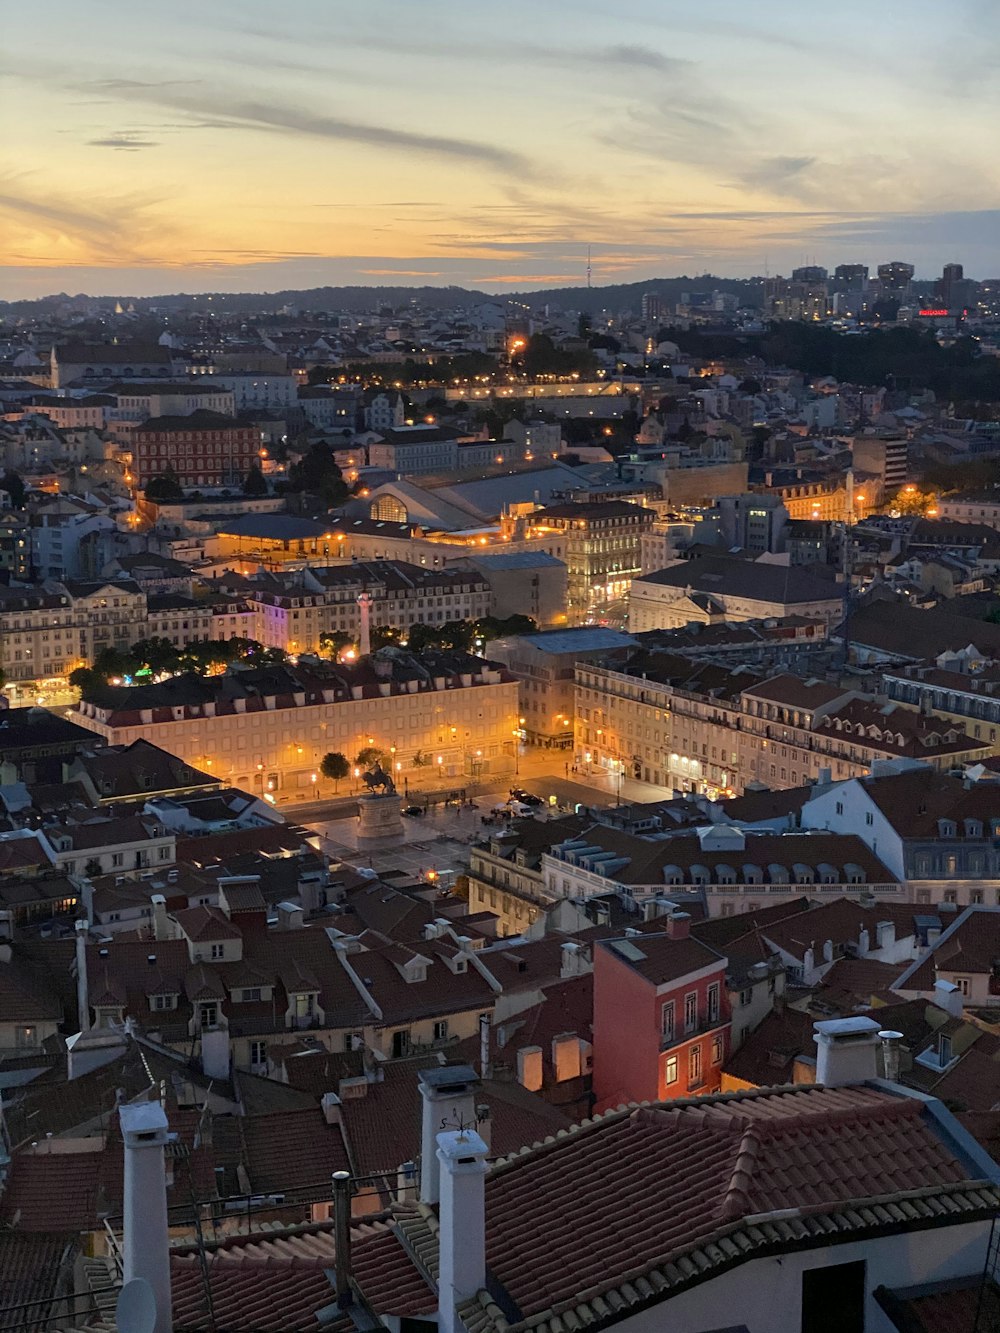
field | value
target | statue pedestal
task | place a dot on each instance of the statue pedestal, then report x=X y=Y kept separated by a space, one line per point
x=380 y=823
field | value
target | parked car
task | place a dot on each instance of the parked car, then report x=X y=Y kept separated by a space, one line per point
x=413 y=811
x=526 y=797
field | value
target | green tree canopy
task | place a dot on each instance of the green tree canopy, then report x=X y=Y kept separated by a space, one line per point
x=334 y=766
x=165 y=486
x=254 y=483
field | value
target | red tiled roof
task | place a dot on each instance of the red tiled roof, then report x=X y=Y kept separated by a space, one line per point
x=293 y=1150
x=276 y=1280
x=638 y=1187
x=660 y=959
x=206 y=923
x=945 y=1307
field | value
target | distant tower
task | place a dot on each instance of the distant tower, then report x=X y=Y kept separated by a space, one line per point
x=365 y=605
x=588 y=268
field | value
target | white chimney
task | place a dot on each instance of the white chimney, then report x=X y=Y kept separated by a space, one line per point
x=462 y=1216
x=948 y=997
x=847 y=1051
x=161 y=927
x=864 y=942
x=82 y=989
x=146 y=1239
x=449 y=1102
x=215 y=1052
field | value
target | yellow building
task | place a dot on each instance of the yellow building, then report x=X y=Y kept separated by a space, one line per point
x=437 y=717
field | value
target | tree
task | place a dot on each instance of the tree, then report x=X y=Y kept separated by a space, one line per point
x=584 y=325
x=334 y=766
x=84 y=679
x=369 y=757
x=490 y=627
x=165 y=486
x=317 y=471
x=92 y=868
x=455 y=634
x=383 y=636
x=333 y=642
x=15 y=488
x=750 y=385
x=254 y=483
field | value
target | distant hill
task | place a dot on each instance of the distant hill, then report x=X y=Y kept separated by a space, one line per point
x=614 y=298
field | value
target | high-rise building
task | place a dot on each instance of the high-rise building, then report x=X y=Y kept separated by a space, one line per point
x=811 y=273
x=654 y=308
x=850 y=277
x=895 y=278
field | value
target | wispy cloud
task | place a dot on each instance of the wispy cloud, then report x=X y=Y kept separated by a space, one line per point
x=124 y=142
x=219 y=112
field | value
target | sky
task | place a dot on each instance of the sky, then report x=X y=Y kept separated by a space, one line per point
x=236 y=145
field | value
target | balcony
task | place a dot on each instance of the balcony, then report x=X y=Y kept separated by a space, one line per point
x=703 y=1027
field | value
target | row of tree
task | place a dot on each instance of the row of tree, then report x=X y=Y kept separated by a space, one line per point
x=158 y=656
x=460 y=635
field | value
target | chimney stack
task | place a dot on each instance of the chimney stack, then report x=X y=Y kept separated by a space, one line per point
x=215 y=1053
x=890 y=1053
x=146 y=1238
x=342 y=1237
x=449 y=1101
x=82 y=989
x=847 y=1051
x=678 y=925
x=462 y=1236
x=161 y=928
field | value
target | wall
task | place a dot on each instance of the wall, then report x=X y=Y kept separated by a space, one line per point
x=287 y=744
x=848 y=808
x=766 y=1294
x=626 y=1033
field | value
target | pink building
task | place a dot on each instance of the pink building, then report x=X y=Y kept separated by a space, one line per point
x=661 y=1016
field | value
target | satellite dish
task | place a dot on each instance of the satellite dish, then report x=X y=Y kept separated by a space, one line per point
x=136 y=1308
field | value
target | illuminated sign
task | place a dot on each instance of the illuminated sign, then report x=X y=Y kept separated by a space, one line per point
x=935 y=314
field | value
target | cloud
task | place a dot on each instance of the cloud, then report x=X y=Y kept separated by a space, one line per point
x=779 y=175
x=124 y=142
x=402 y=272
x=276 y=118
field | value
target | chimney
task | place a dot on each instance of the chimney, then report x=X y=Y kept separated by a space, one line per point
x=890 y=1053
x=462 y=1215
x=146 y=1241
x=82 y=989
x=342 y=1237
x=948 y=997
x=161 y=928
x=215 y=1052
x=365 y=608
x=847 y=1051
x=484 y=1046
x=449 y=1100
x=678 y=925
x=570 y=959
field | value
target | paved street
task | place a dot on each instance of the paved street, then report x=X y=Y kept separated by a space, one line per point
x=439 y=839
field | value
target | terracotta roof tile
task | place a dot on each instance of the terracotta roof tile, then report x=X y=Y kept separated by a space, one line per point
x=566 y=1219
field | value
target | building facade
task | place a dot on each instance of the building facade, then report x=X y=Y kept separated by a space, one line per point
x=201 y=449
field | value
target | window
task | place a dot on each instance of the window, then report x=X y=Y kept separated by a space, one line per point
x=667 y=1021
x=161 y=1002
x=441 y=1030
x=218 y=951
x=963 y=985
x=833 y=1299
x=209 y=1015
x=746 y=996
x=840 y=807
x=118 y=859
x=670 y=1070
x=258 y=1052
x=251 y=994
x=690 y=1011
x=717 y=1049
x=694 y=1063
x=713 y=1002
x=869 y=817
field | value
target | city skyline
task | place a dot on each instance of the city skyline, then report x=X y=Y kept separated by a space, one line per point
x=221 y=151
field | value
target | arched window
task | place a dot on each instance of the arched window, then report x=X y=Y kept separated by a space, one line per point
x=388 y=509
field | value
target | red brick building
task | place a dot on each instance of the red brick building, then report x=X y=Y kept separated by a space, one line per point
x=203 y=449
x=661 y=1016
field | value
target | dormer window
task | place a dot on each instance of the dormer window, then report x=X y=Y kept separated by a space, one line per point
x=163 y=1002
x=108 y=1015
